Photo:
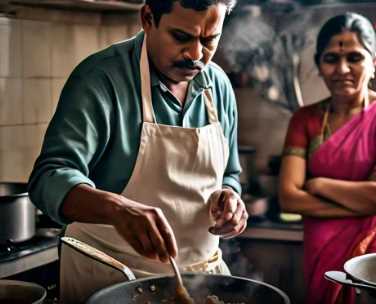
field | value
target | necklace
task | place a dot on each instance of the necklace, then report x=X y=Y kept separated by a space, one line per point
x=325 y=127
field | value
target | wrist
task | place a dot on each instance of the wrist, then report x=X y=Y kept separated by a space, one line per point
x=87 y=204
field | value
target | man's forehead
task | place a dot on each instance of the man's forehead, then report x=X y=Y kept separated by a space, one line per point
x=192 y=21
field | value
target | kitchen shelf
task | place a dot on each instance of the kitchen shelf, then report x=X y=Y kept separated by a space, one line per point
x=91 y=5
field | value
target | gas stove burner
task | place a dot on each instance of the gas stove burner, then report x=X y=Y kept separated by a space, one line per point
x=6 y=248
x=44 y=238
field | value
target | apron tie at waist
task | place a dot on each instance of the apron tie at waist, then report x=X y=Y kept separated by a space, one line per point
x=210 y=266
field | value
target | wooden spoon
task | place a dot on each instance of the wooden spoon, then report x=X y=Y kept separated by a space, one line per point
x=182 y=295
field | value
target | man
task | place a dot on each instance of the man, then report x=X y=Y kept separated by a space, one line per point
x=140 y=158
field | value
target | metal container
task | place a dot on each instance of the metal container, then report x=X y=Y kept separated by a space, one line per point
x=20 y=292
x=17 y=213
x=360 y=272
x=162 y=289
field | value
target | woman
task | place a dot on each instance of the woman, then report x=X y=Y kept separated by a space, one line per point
x=328 y=169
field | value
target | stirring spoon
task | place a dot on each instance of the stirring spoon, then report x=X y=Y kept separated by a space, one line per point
x=182 y=295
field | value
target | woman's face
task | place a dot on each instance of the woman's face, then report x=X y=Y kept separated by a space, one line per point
x=346 y=66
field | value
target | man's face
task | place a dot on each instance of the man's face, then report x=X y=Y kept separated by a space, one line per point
x=183 y=35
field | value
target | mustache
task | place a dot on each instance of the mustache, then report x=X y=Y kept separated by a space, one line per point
x=190 y=64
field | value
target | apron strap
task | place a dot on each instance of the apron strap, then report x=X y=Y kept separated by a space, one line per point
x=147 y=105
x=212 y=112
x=211 y=265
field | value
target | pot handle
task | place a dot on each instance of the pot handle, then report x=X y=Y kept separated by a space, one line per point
x=342 y=278
x=98 y=255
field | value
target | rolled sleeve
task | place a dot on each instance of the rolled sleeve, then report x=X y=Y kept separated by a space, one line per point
x=49 y=191
x=76 y=137
x=233 y=169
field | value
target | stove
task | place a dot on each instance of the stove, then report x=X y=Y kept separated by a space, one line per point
x=44 y=238
x=35 y=260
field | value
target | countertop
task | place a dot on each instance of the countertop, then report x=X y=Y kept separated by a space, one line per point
x=45 y=249
x=42 y=250
x=274 y=231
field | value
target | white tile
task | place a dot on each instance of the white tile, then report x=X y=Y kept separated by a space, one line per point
x=36 y=48
x=13 y=166
x=37 y=101
x=11 y=102
x=29 y=157
x=34 y=135
x=12 y=138
x=85 y=41
x=63 y=50
x=56 y=87
x=116 y=33
x=70 y=45
x=10 y=48
x=102 y=37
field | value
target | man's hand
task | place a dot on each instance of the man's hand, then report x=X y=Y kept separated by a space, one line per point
x=229 y=213
x=146 y=229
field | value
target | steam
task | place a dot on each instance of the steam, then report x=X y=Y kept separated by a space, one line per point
x=265 y=47
x=263 y=43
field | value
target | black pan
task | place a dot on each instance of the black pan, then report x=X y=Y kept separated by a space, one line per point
x=162 y=289
x=159 y=290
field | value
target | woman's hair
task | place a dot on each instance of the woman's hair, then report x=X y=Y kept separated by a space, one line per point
x=160 y=7
x=347 y=22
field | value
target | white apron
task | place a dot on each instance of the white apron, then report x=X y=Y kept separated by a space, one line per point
x=176 y=170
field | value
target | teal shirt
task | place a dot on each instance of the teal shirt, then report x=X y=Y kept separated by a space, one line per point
x=94 y=135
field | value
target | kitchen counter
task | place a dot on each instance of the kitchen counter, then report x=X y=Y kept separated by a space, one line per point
x=44 y=248
x=277 y=231
x=39 y=251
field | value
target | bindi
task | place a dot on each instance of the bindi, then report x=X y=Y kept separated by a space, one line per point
x=341 y=46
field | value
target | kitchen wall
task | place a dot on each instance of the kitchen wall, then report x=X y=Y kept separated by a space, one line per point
x=38 y=50
x=40 y=47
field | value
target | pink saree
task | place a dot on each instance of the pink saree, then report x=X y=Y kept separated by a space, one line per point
x=348 y=154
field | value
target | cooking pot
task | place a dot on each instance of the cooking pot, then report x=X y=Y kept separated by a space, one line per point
x=162 y=289
x=360 y=272
x=19 y=292
x=17 y=213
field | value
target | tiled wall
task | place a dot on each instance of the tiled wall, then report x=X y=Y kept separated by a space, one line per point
x=37 y=53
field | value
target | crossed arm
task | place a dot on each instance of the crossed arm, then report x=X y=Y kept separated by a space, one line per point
x=323 y=197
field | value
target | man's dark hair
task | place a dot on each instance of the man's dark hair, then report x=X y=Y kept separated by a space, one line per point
x=160 y=7
x=351 y=22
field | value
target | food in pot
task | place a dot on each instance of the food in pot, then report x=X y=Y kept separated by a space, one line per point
x=182 y=295
x=212 y=299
